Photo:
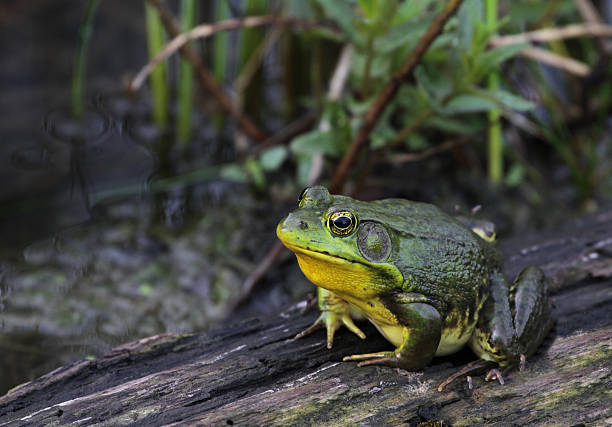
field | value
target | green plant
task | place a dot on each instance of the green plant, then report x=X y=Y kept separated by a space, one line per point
x=185 y=90
x=77 y=90
x=158 y=79
x=449 y=95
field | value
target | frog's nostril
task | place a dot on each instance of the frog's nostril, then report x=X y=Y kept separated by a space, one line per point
x=303 y=225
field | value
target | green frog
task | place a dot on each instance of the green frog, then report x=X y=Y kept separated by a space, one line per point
x=425 y=280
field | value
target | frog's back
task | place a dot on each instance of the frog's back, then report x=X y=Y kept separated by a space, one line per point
x=423 y=221
x=444 y=260
x=438 y=256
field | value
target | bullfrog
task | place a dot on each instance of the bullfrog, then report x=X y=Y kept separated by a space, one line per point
x=427 y=282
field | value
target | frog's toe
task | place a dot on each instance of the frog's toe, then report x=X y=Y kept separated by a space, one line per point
x=318 y=324
x=495 y=373
x=522 y=362
x=476 y=365
x=348 y=322
x=388 y=358
x=331 y=321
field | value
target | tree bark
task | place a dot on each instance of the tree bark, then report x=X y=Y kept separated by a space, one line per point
x=253 y=373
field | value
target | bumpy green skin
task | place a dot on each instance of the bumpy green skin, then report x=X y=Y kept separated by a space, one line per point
x=440 y=280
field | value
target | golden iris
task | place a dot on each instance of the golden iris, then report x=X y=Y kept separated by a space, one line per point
x=342 y=223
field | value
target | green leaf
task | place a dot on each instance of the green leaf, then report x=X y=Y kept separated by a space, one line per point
x=402 y=35
x=469 y=104
x=382 y=135
x=417 y=142
x=304 y=164
x=256 y=172
x=492 y=58
x=449 y=125
x=272 y=158
x=296 y=9
x=383 y=12
x=368 y=8
x=515 y=176
x=511 y=101
x=469 y=14
x=315 y=142
x=436 y=86
x=233 y=172
x=381 y=67
x=409 y=10
x=340 y=11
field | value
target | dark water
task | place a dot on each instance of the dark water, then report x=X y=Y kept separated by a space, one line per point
x=52 y=169
x=89 y=256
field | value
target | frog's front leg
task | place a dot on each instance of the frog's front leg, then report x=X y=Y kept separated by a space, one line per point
x=335 y=312
x=420 y=327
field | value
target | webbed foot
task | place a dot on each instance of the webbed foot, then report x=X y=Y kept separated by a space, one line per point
x=332 y=321
x=479 y=365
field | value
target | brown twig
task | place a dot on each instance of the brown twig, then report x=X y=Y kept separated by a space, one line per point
x=261 y=269
x=568 y=64
x=246 y=124
x=389 y=91
x=416 y=157
x=552 y=34
x=207 y=30
x=411 y=127
x=589 y=13
x=336 y=87
x=255 y=60
x=593 y=29
x=286 y=134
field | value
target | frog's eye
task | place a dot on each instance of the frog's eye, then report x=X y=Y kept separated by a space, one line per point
x=342 y=223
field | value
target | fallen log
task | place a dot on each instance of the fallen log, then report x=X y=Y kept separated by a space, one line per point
x=254 y=373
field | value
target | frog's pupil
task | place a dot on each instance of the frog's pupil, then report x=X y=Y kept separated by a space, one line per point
x=342 y=222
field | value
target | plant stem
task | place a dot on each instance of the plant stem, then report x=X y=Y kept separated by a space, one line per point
x=251 y=97
x=208 y=81
x=159 y=87
x=221 y=42
x=185 y=90
x=368 y=65
x=495 y=142
x=411 y=127
x=388 y=93
x=77 y=92
x=220 y=52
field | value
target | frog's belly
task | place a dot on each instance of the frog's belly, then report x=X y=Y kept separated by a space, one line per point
x=451 y=341
x=455 y=334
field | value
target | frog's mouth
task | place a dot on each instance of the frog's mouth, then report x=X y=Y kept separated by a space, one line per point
x=320 y=255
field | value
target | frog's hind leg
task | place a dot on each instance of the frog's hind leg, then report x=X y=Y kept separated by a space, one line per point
x=513 y=322
x=532 y=310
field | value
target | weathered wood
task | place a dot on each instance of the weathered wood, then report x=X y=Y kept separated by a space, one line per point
x=253 y=373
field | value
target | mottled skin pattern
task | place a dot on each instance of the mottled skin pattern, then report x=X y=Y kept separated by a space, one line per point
x=440 y=286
